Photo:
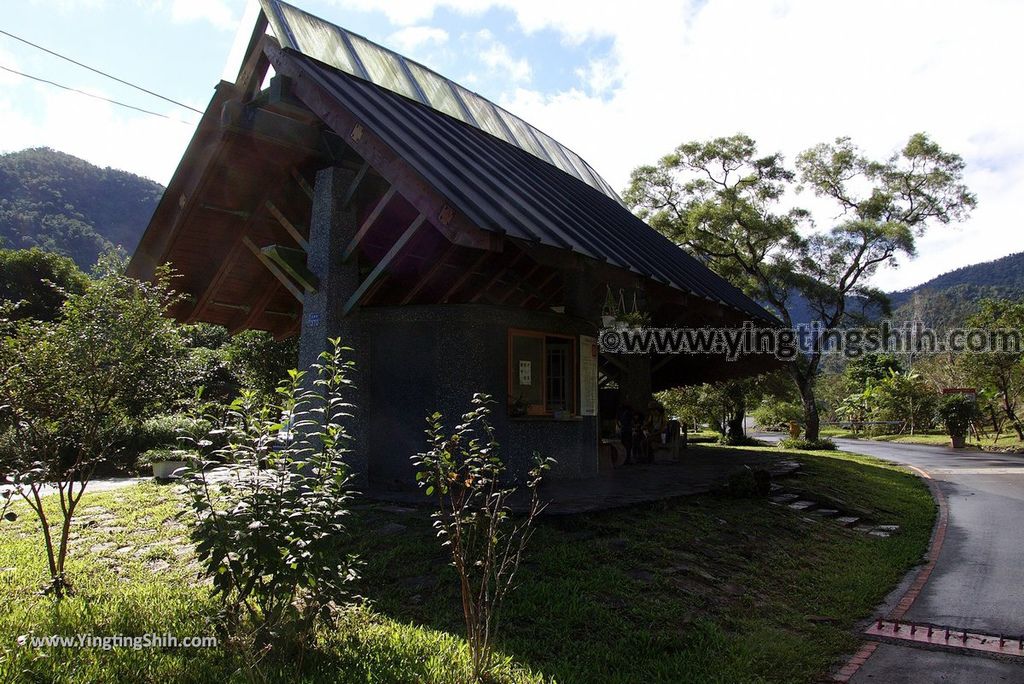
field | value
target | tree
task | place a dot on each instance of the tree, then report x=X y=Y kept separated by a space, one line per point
x=72 y=389
x=38 y=282
x=259 y=361
x=1002 y=371
x=725 y=203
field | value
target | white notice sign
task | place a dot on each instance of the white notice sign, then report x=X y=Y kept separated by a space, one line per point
x=588 y=376
x=525 y=373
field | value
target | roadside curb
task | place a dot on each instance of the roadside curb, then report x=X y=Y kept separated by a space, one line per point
x=850 y=668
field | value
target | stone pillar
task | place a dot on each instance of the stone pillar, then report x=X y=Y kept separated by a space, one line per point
x=331 y=228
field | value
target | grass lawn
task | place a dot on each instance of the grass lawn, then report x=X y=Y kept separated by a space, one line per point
x=696 y=589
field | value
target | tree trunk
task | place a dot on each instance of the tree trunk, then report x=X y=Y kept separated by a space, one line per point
x=1012 y=415
x=811 y=418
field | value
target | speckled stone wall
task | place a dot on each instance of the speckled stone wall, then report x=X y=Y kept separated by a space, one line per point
x=433 y=358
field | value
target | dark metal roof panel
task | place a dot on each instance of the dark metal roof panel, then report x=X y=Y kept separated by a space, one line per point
x=503 y=188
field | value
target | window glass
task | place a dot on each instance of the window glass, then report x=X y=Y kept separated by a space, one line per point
x=559 y=371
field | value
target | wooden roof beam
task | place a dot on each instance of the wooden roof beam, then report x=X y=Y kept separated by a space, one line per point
x=426 y=278
x=454 y=225
x=274 y=269
x=461 y=280
x=289 y=227
x=380 y=269
x=517 y=286
x=495 y=278
x=257 y=308
x=368 y=223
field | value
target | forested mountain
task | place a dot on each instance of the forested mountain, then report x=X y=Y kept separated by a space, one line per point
x=948 y=299
x=64 y=204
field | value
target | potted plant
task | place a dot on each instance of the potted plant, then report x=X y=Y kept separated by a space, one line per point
x=517 y=406
x=167 y=464
x=956 y=411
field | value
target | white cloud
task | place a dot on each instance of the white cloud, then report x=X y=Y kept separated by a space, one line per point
x=412 y=38
x=93 y=130
x=498 y=57
x=217 y=12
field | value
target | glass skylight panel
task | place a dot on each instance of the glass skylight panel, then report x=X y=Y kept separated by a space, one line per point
x=438 y=91
x=483 y=112
x=521 y=130
x=318 y=39
x=383 y=67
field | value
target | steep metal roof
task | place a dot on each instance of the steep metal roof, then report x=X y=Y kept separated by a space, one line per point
x=353 y=54
x=502 y=188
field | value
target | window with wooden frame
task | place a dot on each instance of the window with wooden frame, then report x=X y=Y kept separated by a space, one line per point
x=542 y=374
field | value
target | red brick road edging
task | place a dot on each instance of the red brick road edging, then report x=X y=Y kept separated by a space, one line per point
x=847 y=671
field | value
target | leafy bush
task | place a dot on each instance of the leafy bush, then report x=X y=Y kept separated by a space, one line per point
x=750 y=483
x=72 y=389
x=464 y=472
x=771 y=412
x=956 y=411
x=823 y=444
x=737 y=440
x=270 y=523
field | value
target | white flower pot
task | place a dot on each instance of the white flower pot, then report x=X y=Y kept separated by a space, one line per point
x=165 y=470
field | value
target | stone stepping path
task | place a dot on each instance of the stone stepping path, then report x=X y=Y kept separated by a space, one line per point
x=795 y=503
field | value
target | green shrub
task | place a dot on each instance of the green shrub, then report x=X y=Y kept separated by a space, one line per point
x=749 y=483
x=271 y=533
x=824 y=444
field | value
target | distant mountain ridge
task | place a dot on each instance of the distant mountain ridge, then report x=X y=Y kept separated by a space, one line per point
x=949 y=299
x=944 y=301
x=64 y=204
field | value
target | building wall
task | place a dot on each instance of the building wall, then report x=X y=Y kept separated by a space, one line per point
x=433 y=358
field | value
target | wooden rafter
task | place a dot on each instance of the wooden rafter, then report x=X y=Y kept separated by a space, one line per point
x=289 y=227
x=274 y=269
x=302 y=182
x=368 y=223
x=537 y=292
x=422 y=282
x=371 y=281
x=461 y=280
x=517 y=286
x=257 y=308
x=448 y=220
x=495 y=278
x=228 y=263
x=354 y=186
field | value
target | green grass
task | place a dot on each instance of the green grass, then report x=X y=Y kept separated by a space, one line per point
x=696 y=589
x=1005 y=441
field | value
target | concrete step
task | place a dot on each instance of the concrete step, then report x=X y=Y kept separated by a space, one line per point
x=784 y=498
x=847 y=520
x=803 y=505
x=826 y=512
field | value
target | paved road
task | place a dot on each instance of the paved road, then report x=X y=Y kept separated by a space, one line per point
x=978 y=580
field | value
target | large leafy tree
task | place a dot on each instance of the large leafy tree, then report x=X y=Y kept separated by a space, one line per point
x=38 y=282
x=732 y=208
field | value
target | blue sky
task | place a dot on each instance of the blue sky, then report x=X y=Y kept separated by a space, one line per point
x=620 y=83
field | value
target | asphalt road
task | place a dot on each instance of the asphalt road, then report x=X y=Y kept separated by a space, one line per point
x=978 y=580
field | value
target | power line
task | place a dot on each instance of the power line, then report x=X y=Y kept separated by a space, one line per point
x=98 y=97
x=97 y=71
